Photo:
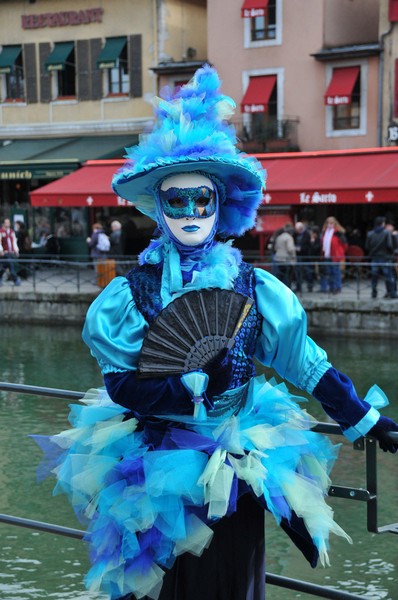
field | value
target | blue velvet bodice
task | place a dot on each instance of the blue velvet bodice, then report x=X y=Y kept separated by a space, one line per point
x=145 y=282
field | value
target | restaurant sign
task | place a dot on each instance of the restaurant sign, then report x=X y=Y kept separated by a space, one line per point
x=317 y=198
x=62 y=19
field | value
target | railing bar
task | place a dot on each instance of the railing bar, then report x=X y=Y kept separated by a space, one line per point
x=319 y=427
x=41 y=526
x=40 y=391
x=310 y=588
x=278 y=580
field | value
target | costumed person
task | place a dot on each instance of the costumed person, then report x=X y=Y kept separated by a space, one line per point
x=171 y=473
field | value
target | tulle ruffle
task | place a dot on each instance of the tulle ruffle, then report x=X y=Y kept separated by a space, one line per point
x=148 y=497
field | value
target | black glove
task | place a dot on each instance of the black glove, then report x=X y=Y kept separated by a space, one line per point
x=219 y=370
x=380 y=431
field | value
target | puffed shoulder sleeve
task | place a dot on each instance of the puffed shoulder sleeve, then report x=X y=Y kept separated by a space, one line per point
x=284 y=344
x=114 y=328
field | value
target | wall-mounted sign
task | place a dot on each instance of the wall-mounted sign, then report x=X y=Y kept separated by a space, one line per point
x=393 y=133
x=317 y=198
x=62 y=19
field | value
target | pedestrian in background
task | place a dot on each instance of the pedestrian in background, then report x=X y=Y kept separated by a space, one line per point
x=314 y=257
x=380 y=249
x=394 y=233
x=284 y=255
x=9 y=251
x=334 y=245
x=302 y=243
x=98 y=243
x=116 y=250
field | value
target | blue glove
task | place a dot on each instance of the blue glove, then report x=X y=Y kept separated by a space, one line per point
x=147 y=397
x=380 y=431
x=220 y=372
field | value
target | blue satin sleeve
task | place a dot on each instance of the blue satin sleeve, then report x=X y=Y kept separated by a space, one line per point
x=284 y=344
x=114 y=328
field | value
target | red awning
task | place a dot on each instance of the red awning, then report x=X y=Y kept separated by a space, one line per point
x=366 y=176
x=341 y=86
x=269 y=223
x=88 y=186
x=254 y=8
x=258 y=94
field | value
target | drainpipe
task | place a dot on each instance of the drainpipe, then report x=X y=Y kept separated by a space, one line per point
x=380 y=87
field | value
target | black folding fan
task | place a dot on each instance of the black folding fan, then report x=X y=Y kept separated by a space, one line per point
x=192 y=330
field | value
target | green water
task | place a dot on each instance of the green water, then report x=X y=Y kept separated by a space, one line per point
x=41 y=565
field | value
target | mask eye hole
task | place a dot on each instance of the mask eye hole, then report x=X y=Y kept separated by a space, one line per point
x=202 y=201
x=176 y=202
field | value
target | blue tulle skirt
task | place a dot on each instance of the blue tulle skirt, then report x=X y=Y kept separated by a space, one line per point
x=149 y=494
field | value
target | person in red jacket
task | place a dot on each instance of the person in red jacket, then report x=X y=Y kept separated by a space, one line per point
x=334 y=245
x=8 y=251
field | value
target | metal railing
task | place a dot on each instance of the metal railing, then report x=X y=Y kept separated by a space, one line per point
x=368 y=495
x=79 y=275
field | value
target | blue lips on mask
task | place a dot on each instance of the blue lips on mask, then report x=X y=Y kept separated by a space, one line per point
x=199 y=202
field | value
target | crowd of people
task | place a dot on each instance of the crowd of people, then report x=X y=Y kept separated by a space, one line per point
x=310 y=255
x=304 y=257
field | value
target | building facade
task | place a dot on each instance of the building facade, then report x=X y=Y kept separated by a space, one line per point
x=314 y=76
x=75 y=83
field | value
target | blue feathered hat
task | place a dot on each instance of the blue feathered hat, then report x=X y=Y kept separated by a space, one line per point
x=191 y=134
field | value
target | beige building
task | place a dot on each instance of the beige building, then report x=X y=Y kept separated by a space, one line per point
x=76 y=78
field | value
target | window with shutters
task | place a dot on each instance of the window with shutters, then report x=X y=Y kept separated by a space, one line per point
x=118 y=76
x=65 y=82
x=12 y=74
x=121 y=62
x=15 y=81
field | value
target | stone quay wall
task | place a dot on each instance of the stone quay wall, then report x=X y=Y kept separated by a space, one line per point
x=325 y=315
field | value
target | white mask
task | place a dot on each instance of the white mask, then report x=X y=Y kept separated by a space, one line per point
x=189 y=230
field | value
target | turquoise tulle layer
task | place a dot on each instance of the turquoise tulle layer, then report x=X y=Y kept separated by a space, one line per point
x=149 y=496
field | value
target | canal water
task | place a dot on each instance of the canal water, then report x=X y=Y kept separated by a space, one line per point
x=41 y=565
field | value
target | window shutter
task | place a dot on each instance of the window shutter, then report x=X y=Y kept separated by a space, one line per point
x=135 y=65
x=393 y=10
x=83 y=74
x=29 y=65
x=45 y=76
x=96 y=73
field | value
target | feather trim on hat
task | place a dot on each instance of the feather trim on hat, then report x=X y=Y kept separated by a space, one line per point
x=191 y=133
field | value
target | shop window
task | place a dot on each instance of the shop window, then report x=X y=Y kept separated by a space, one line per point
x=264 y=27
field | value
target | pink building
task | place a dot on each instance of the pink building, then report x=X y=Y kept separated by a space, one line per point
x=304 y=74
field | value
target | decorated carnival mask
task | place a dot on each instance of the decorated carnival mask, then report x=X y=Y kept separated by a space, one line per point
x=187 y=204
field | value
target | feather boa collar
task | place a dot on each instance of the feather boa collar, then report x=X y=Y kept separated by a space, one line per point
x=217 y=266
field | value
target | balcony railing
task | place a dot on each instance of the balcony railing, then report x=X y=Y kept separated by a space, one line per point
x=268 y=135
